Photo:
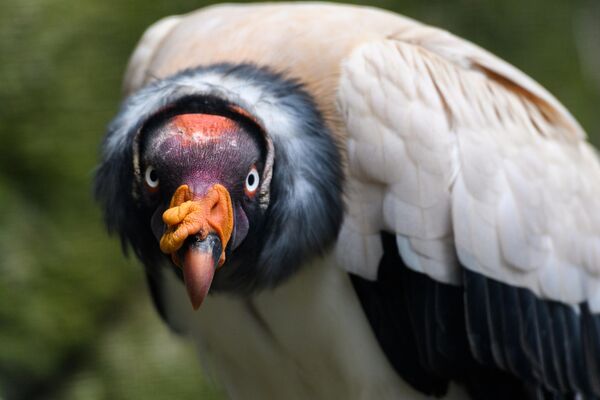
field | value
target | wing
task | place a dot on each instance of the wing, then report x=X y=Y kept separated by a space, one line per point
x=487 y=184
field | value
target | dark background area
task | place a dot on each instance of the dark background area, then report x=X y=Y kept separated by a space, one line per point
x=75 y=321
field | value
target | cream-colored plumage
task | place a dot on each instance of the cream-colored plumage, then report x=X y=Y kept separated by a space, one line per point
x=464 y=158
x=447 y=145
x=470 y=158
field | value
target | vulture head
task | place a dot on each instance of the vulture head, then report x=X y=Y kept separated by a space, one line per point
x=226 y=175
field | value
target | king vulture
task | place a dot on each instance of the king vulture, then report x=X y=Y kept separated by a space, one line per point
x=365 y=206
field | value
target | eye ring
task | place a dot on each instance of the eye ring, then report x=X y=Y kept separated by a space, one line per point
x=151 y=178
x=252 y=182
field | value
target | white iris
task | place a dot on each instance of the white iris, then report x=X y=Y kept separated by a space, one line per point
x=252 y=180
x=151 y=177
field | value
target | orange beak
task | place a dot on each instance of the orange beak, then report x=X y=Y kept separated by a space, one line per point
x=198 y=230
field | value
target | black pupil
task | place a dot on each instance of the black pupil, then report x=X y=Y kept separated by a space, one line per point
x=153 y=176
x=251 y=179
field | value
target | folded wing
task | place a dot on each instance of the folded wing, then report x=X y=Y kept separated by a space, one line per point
x=488 y=183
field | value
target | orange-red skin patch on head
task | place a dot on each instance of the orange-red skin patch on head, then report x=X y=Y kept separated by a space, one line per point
x=203 y=126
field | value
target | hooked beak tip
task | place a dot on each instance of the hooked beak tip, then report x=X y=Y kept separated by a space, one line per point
x=200 y=261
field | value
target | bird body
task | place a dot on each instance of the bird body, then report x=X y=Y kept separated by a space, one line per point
x=307 y=338
x=420 y=211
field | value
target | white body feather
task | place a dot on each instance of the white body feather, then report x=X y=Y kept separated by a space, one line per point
x=465 y=156
x=307 y=339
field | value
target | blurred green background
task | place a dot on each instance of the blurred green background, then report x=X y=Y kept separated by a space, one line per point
x=75 y=321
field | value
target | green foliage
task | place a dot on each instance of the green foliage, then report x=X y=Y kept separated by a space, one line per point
x=138 y=358
x=61 y=277
x=75 y=322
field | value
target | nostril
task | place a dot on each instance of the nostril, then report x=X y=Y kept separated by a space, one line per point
x=181 y=195
x=215 y=210
x=189 y=196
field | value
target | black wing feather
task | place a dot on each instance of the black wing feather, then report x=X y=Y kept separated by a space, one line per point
x=386 y=309
x=497 y=340
x=494 y=307
x=476 y=318
x=513 y=329
x=423 y=333
x=591 y=343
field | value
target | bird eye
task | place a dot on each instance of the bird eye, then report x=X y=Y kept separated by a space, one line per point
x=252 y=181
x=151 y=177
